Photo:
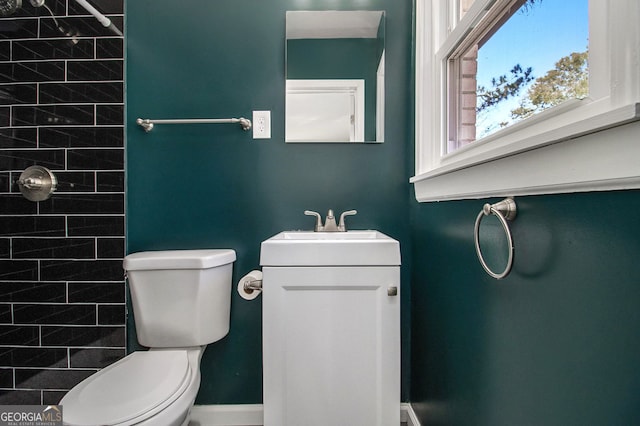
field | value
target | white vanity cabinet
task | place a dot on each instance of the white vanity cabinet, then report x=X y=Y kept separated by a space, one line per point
x=331 y=345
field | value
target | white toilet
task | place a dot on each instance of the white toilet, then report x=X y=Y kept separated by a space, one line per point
x=181 y=302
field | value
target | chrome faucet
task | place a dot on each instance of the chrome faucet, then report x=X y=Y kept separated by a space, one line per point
x=330 y=221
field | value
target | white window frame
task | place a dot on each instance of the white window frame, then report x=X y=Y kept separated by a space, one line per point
x=569 y=148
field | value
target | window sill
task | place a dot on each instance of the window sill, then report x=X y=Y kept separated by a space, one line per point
x=598 y=153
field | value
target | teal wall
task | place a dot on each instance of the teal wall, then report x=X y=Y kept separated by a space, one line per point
x=554 y=343
x=338 y=59
x=214 y=186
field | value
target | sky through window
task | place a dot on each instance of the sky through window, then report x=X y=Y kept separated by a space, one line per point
x=537 y=36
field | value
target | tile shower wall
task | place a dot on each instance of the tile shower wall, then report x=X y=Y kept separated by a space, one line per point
x=62 y=294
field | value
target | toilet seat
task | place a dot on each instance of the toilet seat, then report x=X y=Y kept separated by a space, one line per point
x=130 y=390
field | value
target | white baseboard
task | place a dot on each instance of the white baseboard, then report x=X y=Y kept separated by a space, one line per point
x=251 y=415
x=226 y=415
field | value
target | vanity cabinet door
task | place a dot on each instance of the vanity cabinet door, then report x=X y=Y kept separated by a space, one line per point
x=331 y=346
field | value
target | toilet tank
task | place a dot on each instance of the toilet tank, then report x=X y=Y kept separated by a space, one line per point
x=180 y=298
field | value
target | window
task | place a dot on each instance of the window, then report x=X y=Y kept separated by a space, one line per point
x=530 y=57
x=482 y=127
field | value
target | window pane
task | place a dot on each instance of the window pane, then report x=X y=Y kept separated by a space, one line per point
x=530 y=60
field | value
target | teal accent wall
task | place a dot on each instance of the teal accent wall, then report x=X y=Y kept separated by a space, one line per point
x=214 y=186
x=554 y=343
x=351 y=58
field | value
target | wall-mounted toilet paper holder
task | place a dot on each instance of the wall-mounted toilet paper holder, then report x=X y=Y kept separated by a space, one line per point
x=254 y=285
x=37 y=183
x=250 y=286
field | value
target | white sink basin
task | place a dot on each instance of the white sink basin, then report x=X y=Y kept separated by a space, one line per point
x=351 y=248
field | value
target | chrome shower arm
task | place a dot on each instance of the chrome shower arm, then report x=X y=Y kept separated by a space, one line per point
x=106 y=22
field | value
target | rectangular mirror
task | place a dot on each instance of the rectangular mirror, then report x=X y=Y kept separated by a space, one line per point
x=335 y=76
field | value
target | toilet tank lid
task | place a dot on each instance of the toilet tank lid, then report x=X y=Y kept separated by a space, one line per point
x=179 y=259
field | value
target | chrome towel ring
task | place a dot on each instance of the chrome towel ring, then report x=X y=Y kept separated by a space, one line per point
x=504 y=210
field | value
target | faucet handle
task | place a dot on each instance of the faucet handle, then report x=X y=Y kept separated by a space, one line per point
x=318 y=226
x=341 y=226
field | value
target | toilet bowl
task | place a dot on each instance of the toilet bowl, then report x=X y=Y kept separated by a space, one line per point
x=181 y=302
x=132 y=392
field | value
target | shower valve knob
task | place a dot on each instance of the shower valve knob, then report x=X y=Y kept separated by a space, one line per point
x=37 y=183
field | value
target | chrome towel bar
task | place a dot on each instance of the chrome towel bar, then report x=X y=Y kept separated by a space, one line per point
x=147 y=123
x=503 y=210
